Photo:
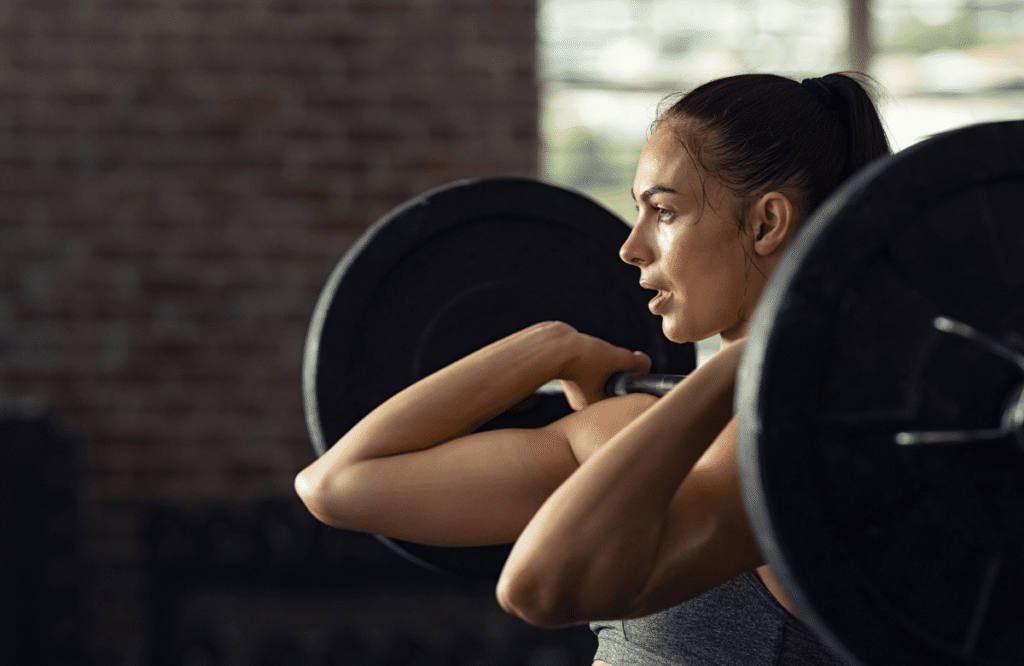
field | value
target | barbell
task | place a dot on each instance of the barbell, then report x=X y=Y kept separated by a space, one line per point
x=880 y=398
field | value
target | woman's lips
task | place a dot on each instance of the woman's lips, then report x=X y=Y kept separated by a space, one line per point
x=658 y=300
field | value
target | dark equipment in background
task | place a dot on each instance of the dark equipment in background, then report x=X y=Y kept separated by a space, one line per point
x=881 y=409
x=43 y=620
x=268 y=585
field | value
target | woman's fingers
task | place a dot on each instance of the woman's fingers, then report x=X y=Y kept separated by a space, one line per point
x=575 y=395
x=584 y=383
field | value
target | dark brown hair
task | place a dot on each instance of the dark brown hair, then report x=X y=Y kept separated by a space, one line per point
x=759 y=133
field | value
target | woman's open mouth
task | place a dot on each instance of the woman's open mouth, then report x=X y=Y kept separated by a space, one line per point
x=658 y=301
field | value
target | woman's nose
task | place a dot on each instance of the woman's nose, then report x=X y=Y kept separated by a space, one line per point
x=634 y=251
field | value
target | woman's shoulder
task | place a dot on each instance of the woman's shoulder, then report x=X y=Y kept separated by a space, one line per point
x=590 y=428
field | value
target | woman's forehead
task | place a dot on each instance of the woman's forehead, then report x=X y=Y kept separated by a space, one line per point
x=665 y=162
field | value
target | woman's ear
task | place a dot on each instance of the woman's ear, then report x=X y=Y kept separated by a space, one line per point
x=773 y=221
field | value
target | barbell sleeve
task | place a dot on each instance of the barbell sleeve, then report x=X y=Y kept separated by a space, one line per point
x=622 y=383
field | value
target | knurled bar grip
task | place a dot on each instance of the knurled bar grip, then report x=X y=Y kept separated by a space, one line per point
x=622 y=383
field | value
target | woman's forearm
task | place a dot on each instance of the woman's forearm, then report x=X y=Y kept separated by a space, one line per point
x=458 y=398
x=592 y=545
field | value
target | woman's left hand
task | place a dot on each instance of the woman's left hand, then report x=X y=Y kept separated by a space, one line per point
x=594 y=361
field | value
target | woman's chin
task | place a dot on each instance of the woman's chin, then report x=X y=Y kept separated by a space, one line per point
x=676 y=330
x=673 y=332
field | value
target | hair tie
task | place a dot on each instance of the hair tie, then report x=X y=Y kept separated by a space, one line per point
x=823 y=91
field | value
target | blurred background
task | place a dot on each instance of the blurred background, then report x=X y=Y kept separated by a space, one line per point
x=177 y=180
x=606 y=64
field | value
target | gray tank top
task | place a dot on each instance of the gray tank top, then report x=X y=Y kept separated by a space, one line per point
x=738 y=623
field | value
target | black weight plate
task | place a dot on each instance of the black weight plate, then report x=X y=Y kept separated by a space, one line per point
x=896 y=554
x=452 y=271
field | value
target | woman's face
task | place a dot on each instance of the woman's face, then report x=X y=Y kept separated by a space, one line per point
x=688 y=247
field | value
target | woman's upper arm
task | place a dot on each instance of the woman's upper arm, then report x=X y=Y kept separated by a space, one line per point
x=707 y=539
x=477 y=489
x=589 y=429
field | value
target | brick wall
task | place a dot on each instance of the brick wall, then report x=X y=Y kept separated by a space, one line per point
x=177 y=179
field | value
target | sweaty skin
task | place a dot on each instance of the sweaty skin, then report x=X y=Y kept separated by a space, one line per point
x=696 y=269
x=629 y=505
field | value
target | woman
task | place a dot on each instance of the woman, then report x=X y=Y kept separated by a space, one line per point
x=630 y=507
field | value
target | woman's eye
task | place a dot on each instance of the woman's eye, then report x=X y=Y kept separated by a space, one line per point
x=662 y=214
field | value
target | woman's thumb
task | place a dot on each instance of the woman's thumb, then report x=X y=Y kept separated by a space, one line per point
x=641 y=362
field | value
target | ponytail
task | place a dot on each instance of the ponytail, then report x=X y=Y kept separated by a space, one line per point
x=866 y=137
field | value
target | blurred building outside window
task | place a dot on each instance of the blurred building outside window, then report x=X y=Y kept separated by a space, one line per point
x=607 y=65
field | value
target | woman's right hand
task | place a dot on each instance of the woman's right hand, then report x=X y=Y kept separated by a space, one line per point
x=594 y=360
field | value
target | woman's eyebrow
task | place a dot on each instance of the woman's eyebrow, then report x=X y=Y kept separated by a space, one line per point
x=651 y=191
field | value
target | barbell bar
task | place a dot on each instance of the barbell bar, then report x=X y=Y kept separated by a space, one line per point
x=622 y=383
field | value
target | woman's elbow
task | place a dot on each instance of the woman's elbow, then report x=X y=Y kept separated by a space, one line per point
x=527 y=606
x=551 y=596
x=317 y=492
x=307 y=487
x=537 y=603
